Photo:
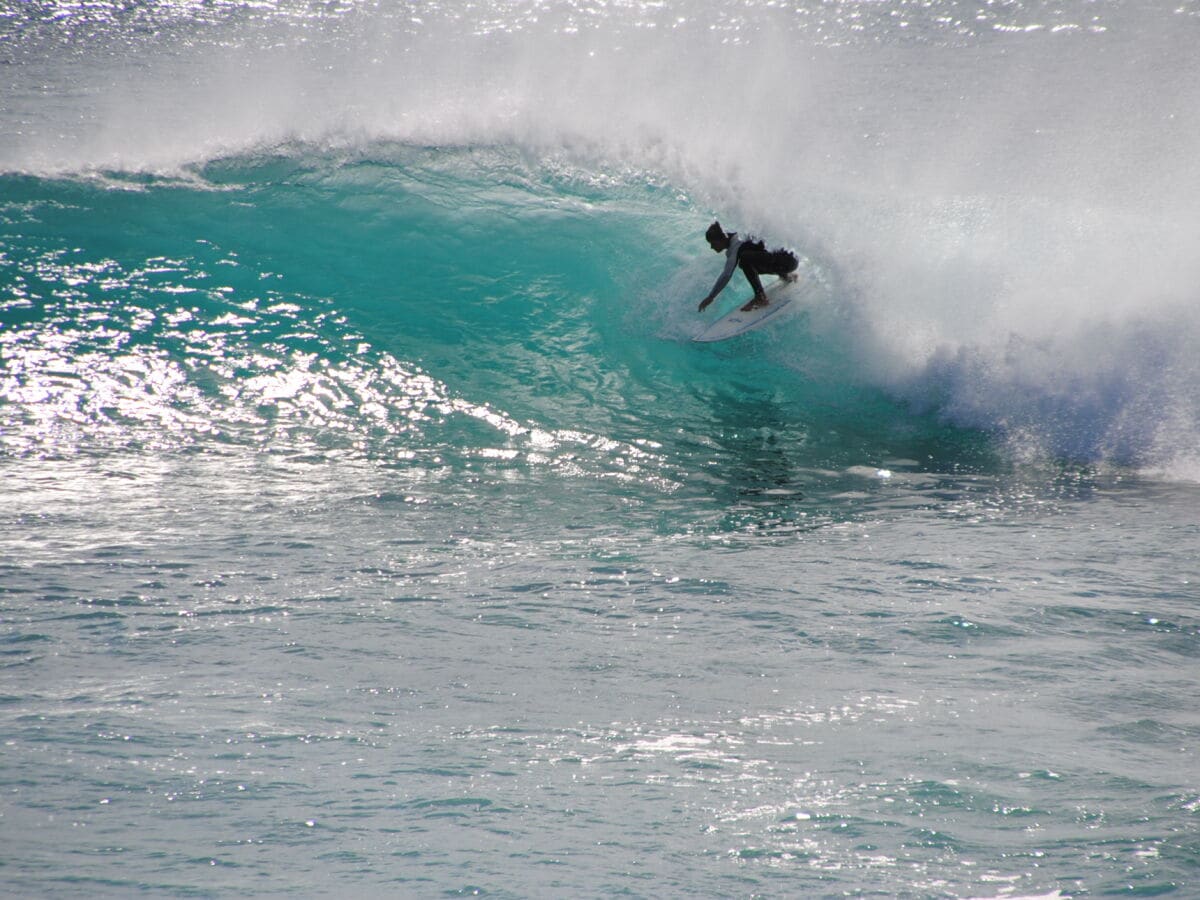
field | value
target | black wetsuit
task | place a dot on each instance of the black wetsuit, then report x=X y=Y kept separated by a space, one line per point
x=754 y=259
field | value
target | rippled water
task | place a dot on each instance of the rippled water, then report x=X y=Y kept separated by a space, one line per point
x=370 y=523
x=271 y=675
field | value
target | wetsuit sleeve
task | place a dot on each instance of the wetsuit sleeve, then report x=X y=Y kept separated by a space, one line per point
x=731 y=261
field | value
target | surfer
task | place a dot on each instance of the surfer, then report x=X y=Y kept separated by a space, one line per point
x=753 y=258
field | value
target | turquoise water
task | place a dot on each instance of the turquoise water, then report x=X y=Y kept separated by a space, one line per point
x=370 y=522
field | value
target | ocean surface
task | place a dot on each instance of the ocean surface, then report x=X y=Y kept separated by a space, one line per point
x=370 y=524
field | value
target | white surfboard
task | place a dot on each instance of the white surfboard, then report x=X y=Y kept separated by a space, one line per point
x=739 y=322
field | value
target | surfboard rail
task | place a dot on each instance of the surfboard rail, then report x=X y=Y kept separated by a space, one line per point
x=740 y=321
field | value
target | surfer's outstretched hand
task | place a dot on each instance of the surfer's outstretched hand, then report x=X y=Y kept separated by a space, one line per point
x=704 y=303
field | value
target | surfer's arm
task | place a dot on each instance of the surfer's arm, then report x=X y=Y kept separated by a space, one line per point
x=726 y=274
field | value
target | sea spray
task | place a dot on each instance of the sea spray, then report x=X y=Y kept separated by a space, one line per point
x=987 y=189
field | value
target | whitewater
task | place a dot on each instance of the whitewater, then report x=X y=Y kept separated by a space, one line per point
x=370 y=523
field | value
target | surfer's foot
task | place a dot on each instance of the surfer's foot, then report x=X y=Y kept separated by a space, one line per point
x=756 y=303
x=790 y=277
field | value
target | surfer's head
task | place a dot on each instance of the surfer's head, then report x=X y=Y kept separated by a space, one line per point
x=717 y=238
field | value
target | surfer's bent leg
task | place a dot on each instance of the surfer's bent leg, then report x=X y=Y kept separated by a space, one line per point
x=750 y=270
x=777 y=262
x=768 y=262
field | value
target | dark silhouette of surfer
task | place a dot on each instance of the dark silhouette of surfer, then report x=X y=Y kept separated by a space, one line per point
x=753 y=258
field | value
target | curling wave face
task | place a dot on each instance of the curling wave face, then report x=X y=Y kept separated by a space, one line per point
x=1003 y=259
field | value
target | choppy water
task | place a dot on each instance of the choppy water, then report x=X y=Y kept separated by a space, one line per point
x=369 y=522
